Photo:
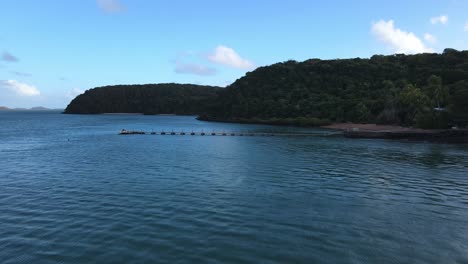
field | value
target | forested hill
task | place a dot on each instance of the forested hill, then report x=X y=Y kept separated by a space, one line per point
x=426 y=90
x=147 y=99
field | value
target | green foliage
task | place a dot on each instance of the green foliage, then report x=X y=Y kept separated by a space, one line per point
x=411 y=90
x=397 y=89
x=436 y=91
x=458 y=108
x=412 y=102
x=432 y=119
x=362 y=112
x=184 y=99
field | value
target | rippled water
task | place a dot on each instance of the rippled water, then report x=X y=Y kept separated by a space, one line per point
x=73 y=191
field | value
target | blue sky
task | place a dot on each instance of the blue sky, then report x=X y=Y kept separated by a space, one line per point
x=51 y=50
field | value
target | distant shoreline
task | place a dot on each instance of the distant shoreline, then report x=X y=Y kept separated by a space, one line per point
x=297 y=122
x=30 y=110
x=139 y=114
x=121 y=114
x=374 y=128
x=350 y=130
x=373 y=131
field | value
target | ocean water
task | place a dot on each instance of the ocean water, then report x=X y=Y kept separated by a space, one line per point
x=73 y=191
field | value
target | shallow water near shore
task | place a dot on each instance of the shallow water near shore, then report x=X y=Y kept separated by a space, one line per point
x=73 y=191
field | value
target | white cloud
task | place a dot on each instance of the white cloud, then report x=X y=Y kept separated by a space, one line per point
x=229 y=57
x=443 y=19
x=466 y=26
x=430 y=38
x=111 y=6
x=189 y=68
x=398 y=40
x=20 y=88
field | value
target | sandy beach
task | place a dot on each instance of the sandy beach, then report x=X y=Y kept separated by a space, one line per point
x=373 y=128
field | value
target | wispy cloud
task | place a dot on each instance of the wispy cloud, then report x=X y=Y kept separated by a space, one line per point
x=21 y=74
x=19 y=88
x=229 y=57
x=466 y=26
x=430 y=38
x=196 y=69
x=111 y=6
x=443 y=19
x=8 y=57
x=398 y=40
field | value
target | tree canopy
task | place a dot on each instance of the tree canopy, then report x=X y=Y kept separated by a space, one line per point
x=424 y=90
x=398 y=89
x=183 y=99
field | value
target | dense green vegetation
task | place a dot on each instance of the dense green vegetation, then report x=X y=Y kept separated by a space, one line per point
x=424 y=90
x=183 y=99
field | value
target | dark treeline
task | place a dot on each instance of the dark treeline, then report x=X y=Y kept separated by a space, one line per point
x=424 y=90
x=182 y=99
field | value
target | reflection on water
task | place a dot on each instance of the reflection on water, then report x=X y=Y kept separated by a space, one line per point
x=73 y=191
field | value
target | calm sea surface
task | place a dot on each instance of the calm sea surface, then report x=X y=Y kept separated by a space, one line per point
x=73 y=191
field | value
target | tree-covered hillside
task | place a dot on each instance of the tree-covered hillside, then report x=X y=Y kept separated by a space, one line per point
x=170 y=98
x=426 y=90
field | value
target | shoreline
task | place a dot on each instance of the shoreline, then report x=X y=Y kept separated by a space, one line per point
x=350 y=130
x=376 y=128
x=370 y=131
x=296 y=122
x=373 y=131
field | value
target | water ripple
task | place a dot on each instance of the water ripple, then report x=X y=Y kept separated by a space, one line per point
x=71 y=191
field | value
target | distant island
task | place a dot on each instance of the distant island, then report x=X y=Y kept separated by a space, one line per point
x=36 y=108
x=425 y=90
x=149 y=99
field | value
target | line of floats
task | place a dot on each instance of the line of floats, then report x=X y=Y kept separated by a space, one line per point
x=240 y=134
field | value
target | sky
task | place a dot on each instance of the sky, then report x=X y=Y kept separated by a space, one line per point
x=53 y=50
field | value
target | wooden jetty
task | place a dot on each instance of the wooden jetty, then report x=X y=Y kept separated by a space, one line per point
x=439 y=136
x=228 y=134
